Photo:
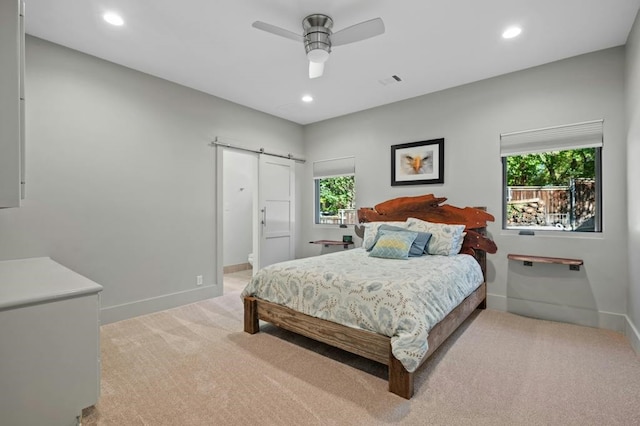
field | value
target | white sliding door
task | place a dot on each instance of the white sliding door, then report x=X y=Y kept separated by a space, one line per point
x=276 y=211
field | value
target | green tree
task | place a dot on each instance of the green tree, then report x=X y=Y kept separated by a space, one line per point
x=337 y=193
x=551 y=168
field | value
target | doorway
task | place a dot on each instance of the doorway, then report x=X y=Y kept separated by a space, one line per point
x=256 y=207
x=239 y=190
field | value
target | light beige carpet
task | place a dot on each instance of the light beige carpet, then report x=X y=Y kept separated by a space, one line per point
x=194 y=365
x=236 y=281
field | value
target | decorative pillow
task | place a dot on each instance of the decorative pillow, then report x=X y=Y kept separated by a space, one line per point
x=394 y=244
x=371 y=232
x=446 y=240
x=419 y=246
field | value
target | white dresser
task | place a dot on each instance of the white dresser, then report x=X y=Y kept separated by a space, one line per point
x=49 y=343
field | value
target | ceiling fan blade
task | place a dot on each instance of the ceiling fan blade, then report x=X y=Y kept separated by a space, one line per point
x=357 y=32
x=277 y=31
x=316 y=69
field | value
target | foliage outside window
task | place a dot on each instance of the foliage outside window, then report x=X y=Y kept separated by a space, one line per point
x=335 y=200
x=554 y=190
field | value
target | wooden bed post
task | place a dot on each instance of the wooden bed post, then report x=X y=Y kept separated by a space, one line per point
x=400 y=380
x=483 y=304
x=481 y=257
x=251 y=324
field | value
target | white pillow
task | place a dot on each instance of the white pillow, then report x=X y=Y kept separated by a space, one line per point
x=371 y=231
x=446 y=240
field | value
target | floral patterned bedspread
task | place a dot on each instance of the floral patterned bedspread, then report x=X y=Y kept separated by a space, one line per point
x=402 y=299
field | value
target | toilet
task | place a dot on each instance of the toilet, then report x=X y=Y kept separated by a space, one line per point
x=250 y=259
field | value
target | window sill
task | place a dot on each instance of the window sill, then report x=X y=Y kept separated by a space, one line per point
x=554 y=234
x=332 y=226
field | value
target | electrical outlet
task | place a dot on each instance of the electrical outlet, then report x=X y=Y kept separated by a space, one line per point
x=199 y=280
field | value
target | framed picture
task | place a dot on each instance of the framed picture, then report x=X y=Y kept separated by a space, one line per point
x=417 y=163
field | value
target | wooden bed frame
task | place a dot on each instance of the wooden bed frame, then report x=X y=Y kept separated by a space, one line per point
x=372 y=345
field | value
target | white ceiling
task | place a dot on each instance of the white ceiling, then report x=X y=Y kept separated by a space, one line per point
x=431 y=45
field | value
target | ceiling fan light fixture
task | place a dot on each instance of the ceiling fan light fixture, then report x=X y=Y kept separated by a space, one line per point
x=316 y=69
x=319 y=56
x=317 y=37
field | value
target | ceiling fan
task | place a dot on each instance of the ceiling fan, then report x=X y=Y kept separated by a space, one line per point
x=318 y=37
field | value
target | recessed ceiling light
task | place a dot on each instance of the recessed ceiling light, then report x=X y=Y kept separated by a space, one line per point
x=511 y=32
x=307 y=98
x=113 y=19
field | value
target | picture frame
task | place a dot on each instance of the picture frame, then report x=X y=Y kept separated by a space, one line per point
x=417 y=163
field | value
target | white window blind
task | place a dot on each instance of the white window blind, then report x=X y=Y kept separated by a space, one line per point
x=336 y=167
x=558 y=138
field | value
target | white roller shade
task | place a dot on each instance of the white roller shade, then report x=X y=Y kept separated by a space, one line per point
x=557 y=138
x=336 y=167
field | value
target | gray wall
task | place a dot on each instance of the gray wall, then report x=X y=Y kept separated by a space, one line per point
x=471 y=118
x=121 y=180
x=633 y=178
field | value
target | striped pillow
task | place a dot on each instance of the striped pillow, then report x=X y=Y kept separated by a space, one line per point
x=371 y=232
x=419 y=246
x=394 y=244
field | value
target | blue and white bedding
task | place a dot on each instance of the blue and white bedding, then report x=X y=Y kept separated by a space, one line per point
x=402 y=299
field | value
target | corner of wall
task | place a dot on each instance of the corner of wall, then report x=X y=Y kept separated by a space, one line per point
x=633 y=148
x=631 y=332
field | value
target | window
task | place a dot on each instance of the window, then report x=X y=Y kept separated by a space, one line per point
x=552 y=178
x=334 y=188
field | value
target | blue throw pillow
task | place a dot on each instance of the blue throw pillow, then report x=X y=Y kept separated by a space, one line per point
x=394 y=244
x=419 y=246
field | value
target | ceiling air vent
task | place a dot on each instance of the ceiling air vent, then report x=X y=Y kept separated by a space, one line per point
x=390 y=80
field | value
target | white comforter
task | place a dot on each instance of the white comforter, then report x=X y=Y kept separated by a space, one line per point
x=402 y=299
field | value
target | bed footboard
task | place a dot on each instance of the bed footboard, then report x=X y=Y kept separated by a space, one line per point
x=373 y=346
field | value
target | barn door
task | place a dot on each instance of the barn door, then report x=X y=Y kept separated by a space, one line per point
x=276 y=211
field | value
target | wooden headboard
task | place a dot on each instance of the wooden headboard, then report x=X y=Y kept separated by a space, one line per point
x=430 y=208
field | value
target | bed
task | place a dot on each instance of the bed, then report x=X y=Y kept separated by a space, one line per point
x=395 y=312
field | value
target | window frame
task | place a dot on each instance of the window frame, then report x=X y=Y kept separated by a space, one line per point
x=559 y=138
x=316 y=201
x=598 y=228
x=326 y=169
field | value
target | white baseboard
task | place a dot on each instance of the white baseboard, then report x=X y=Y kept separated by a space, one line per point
x=499 y=303
x=561 y=313
x=154 y=304
x=230 y=269
x=631 y=331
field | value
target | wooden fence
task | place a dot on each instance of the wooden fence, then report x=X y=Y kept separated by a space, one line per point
x=344 y=217
x=565 y=207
